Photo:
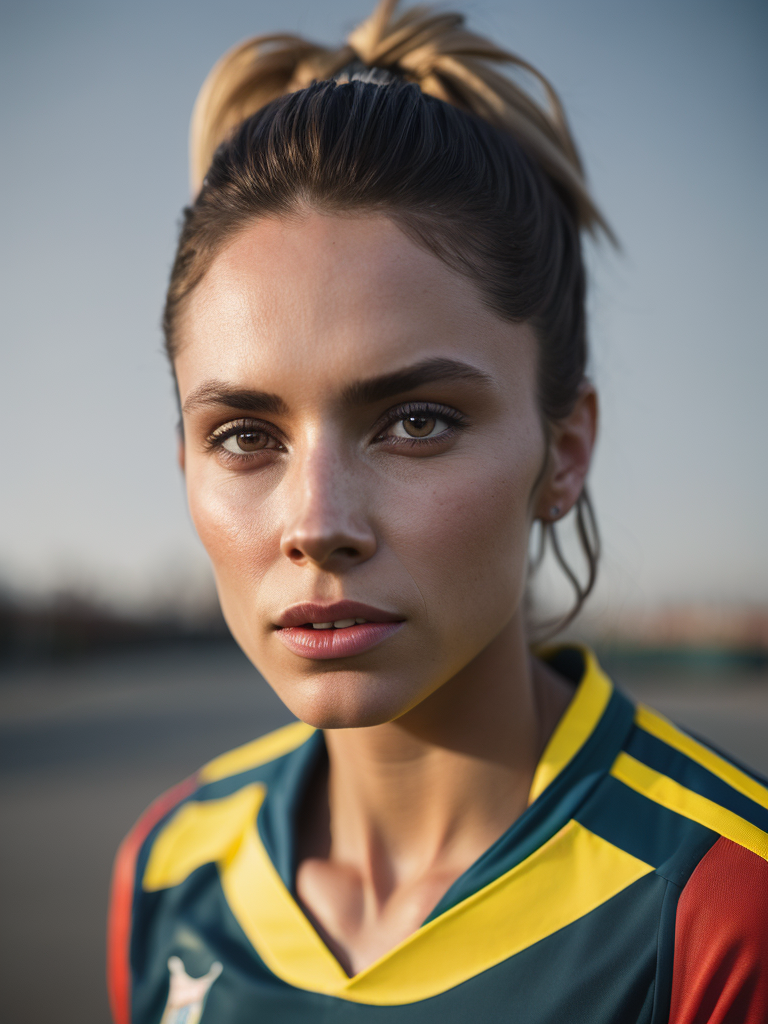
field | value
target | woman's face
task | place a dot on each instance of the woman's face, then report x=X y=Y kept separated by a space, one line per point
x=358 y=428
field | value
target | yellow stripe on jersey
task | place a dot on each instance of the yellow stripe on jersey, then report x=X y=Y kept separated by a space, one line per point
x=200 y=833
x=576 y=726
x=672 y=795
x=658 y=726
x=273 y=921
x=569 y=876
x=257 y=752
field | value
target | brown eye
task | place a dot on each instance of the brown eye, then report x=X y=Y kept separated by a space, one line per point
x=251 y=442
x=248 y=441
x=419 y=426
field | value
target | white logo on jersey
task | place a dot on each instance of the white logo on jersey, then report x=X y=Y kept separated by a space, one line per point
x=186 y=996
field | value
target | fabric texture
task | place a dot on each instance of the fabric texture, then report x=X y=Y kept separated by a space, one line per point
x=721 y=940
x=632 y=889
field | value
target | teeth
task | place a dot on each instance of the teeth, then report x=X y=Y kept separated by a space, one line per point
x=338 y=624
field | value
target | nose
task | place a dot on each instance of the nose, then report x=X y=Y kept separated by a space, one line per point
x=326 y=523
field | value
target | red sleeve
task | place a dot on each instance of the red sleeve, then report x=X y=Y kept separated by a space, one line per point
x=720 y=973
x=121 y=900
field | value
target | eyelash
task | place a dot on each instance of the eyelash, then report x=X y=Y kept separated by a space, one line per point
x=217 y=438
x=455 y=420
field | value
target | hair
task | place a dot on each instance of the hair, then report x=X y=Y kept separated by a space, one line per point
x=409 y=119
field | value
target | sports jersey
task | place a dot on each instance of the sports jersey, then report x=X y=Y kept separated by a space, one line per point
x=634 y=888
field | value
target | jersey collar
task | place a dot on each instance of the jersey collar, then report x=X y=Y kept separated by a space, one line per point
x=531 y=865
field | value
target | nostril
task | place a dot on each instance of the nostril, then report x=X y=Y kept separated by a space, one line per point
x=349 y=552
x=321 y=557
x=331 y=549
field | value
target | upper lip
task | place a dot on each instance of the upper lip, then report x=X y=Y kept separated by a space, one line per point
x=315 y=611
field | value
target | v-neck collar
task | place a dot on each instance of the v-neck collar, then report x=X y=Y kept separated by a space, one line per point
x=579 y=752
x=258 y=876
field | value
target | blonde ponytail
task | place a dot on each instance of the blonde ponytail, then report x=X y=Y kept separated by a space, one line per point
x=245 y=79
x=433 y=50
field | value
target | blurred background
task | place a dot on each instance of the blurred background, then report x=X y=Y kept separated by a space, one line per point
x=117 y=677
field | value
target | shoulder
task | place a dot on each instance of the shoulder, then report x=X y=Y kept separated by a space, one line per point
x=721 y=934
x=688 y=777
x=190 y=825
x=720 y=927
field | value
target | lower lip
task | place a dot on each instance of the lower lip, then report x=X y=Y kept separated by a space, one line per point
x=322 y=644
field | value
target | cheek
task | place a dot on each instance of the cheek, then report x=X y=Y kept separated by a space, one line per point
x=232 y=521
x=465 y=540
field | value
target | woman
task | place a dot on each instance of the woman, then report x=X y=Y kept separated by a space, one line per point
x=376 y=323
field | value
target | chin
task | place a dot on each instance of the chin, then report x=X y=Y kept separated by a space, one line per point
x=345 y=699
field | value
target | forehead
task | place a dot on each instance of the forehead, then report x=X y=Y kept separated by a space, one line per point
x=312 y=298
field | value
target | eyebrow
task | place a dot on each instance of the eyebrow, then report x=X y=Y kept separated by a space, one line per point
x=214 y=392
x=366 y=392
x=362 y=392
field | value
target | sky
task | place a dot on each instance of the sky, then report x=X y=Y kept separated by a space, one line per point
x=667 y=99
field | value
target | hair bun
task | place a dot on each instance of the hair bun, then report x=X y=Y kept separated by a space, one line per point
x=244 y=80
x=433 y=50
x=447 y=61
x=408 y=44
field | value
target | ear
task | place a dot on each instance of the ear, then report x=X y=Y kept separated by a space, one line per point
x=571 y=443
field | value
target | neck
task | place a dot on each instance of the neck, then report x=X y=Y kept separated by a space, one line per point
x=430 y=792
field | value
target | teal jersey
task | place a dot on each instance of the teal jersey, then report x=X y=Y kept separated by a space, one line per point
x=600 y=904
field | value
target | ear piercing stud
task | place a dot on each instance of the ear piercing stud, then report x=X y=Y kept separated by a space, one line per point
x=554 y=511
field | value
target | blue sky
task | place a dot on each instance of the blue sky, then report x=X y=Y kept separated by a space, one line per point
x=668 y=102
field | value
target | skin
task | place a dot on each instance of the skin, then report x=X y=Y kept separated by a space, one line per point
x=433 y=735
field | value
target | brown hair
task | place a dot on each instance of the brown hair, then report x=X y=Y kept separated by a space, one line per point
x=409 y=119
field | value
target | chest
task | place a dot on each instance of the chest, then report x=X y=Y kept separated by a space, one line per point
x=601 y=967
x=359 y=924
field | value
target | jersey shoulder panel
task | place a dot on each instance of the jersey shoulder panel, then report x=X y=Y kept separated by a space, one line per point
x=673 y=769
x=701 y=820
x=721 y=934
x=188 y=826
x=121 y=900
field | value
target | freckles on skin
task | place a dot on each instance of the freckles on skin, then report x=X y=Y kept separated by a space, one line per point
x=460 y=531
x=300 y=308
x=234 y=528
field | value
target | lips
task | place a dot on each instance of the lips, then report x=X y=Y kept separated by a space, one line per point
x=308 y=629
x=311 y=611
